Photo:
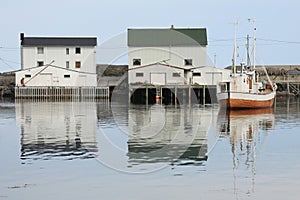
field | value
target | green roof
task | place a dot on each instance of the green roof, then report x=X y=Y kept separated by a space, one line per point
x=167 y=37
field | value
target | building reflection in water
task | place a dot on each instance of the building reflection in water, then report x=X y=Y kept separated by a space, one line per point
x=247 y=131
x=51 y=130
x=168 y=135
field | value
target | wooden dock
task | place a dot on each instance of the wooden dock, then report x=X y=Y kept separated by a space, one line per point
x=288 y=87
x=61 y=92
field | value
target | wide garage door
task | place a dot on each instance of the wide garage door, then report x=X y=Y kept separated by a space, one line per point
x=158 y=78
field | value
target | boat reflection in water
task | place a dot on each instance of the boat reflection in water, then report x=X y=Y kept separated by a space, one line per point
x=57 y=130
x=169 y=135
x=247 y=130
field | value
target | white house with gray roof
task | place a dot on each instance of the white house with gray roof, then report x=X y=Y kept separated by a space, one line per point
x=57 y=61
x=166 y=56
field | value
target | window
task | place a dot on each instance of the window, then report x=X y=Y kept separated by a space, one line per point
x=188 y=62
x=197 y=74
x=40 y=50
x=67 y=76
x=27 y=76
x=67 y=64
x=176 y=74
x=139 y=74
x=67 y=51
x=77 y=50
x=40 y=63
x=77 y=64
x=136 y=62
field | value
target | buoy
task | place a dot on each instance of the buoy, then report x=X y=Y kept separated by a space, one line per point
x=157 y=98
x=22 y=82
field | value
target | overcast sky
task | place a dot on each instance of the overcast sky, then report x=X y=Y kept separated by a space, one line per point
x=277 y=24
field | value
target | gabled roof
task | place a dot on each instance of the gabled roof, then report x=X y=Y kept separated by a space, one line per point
x=58 y=41
x=167 y=37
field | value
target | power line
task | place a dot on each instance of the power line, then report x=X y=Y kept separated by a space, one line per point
x=5 y=62
x=278 y=41
x=10 y=61
x=10 y=48
x=225 y=40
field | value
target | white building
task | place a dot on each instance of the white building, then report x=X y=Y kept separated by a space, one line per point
x=210 y=75
x=165 y=56
x=57 y=61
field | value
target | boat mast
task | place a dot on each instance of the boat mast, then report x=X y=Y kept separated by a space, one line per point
x=254 y=42
x=248 y=55
x=234 y=50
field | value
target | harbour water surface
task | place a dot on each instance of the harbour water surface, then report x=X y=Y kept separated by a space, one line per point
x=103 y=150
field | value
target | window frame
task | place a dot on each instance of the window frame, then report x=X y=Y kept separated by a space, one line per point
x=40 y=50
x=136 y=62
x=139 y=74
x=176 y=74
x=197 y=74
x=77 y=64
x=68 y=64
x=188 y=62
x=67 y=51
x=67 y=76
x=77 y=50
x=40 y=63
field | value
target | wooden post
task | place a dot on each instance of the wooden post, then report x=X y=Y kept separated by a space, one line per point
x=288 y=88
x=175 y=96
x=129 y=94
x=190 y=95
x=203 y=94
x=171 y=97
x=147 y=95
x=161 y=97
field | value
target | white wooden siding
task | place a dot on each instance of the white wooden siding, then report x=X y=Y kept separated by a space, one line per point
x=55 y=76
x=52 y=76
x=87 y=57
x=156 y=69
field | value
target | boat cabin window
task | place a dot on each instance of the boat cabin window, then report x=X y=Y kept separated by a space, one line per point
x=223 y=88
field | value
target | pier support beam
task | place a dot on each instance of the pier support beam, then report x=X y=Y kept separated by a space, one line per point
x=175 y=96
x=203 y=94
x=147 y=95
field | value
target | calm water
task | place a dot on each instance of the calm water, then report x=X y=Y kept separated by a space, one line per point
x=98 y=150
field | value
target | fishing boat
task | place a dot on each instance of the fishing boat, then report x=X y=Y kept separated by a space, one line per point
x=243 y=90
